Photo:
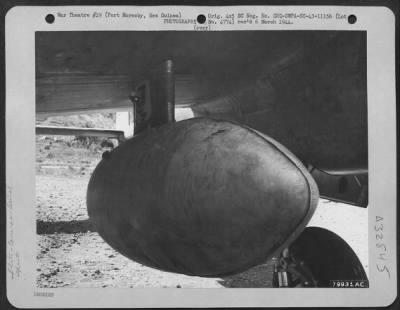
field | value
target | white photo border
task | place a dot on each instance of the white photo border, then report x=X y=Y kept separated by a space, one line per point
x=21 y=24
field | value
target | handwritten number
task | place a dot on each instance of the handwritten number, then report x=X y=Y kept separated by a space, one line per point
x=381 y=245
x=382 y=269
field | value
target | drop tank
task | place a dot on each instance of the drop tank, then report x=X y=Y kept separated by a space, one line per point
x=200 y=197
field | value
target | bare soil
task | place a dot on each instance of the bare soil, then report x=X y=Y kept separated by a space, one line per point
x=71 y=254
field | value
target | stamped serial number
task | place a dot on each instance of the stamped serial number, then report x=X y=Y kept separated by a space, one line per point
x=43 y=294
x=349 y=283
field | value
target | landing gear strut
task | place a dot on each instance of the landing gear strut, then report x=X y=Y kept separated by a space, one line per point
x=290 y=271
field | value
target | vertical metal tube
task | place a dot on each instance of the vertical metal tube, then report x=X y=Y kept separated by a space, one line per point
x=170 y=90
x=162 y=94
x=154 y=100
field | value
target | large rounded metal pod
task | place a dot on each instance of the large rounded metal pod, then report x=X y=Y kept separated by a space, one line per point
x=201 y=197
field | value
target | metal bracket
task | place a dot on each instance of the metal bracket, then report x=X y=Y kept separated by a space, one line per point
x=154 y=100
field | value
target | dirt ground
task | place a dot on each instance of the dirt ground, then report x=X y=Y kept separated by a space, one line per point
x=71 y=254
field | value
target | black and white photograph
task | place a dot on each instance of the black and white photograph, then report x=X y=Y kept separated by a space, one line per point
x=197 y=159
x=182 y=156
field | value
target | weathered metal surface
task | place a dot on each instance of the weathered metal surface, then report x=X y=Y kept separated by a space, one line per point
x=200 y=197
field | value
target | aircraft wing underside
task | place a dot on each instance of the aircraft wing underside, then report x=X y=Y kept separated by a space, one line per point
x=294 y=86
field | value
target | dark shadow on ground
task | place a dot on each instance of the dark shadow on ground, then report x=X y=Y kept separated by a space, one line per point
x=257 y=277
x=66 y=227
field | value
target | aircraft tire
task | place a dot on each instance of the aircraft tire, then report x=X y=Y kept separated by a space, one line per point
x=327 y=257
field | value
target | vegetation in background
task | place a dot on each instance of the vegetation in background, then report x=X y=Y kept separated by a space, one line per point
x=73 y=154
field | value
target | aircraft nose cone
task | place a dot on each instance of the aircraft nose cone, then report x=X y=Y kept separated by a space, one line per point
x=200 y=197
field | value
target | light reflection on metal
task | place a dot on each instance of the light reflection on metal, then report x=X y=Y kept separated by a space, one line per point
x=76 y=131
